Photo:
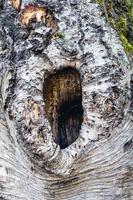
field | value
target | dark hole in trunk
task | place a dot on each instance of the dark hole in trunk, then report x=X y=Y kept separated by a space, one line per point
x=63 y=105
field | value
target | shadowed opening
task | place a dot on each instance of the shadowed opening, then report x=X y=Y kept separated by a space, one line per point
x=63 y=105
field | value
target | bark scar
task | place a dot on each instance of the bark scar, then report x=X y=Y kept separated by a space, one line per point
x=38 y=13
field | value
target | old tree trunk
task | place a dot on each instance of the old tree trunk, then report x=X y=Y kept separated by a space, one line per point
x=65 y=103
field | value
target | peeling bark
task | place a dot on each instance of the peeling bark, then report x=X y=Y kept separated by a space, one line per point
x=35 y=44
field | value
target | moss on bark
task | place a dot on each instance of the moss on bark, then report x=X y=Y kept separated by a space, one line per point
x=119 y=13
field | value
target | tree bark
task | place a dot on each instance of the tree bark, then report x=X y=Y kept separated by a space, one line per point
x=69 y=136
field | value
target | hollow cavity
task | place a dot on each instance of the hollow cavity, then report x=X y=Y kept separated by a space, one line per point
x=63 y=105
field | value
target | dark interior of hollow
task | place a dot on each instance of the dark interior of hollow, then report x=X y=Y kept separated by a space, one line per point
x=63 y=105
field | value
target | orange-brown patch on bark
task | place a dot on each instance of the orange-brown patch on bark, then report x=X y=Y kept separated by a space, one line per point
x=38 y=13
x=16 y=4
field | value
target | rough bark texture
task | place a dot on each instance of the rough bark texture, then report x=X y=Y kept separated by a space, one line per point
x=37 y=41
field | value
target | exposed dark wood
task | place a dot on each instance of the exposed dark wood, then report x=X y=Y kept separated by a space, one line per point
x=63 y=99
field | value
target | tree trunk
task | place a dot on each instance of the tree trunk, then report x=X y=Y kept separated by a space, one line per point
x=65 y=104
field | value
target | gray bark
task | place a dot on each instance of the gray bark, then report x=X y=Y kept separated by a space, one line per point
x=62 y=34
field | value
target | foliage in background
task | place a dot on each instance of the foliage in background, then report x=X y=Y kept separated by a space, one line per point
x=119 y=13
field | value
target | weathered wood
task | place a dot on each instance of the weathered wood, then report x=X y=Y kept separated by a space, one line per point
x=98 y=165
